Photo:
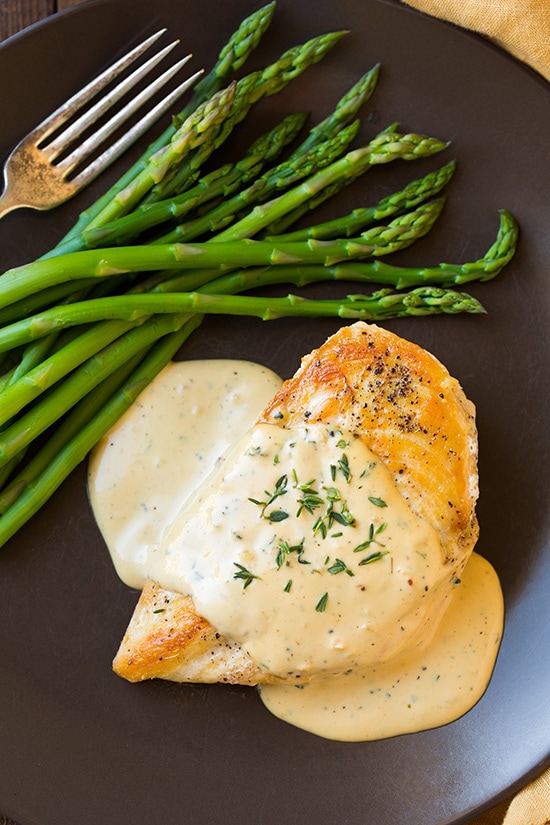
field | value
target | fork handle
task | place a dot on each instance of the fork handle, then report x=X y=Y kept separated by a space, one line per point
x=8 y=202
x=27 y=180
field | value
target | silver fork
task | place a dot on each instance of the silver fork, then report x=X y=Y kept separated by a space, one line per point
x=33 y=175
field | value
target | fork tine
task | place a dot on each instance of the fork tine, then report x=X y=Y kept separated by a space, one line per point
x=91 y=115
x=90 y=90
x=94 y=141
x=120 y=146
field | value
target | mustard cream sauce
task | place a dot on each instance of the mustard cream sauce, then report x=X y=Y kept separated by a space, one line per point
x=297 y=545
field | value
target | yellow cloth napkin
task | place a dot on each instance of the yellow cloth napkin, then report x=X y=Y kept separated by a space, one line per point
x=522 y=27
x=531 y=806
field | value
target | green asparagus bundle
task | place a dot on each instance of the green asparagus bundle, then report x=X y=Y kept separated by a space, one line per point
x=220 y=182
x=87 y=326
x=382 y=304
x=226 y=179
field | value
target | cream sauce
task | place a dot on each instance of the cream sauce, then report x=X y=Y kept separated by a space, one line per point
x=421 y=689
x=295 y=529
x=164 y=447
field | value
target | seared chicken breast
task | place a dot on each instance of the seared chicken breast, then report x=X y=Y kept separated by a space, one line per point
x=405 y=406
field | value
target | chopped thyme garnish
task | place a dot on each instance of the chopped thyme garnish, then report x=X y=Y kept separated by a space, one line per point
x=333 y=493
x=297 y=481
x=343 y=466
x=243 y=573
x=311 y=500
x=287 y=586
x=373 y=557
x=370 y=466
x=282 y=553
x=321 y=605
x=372 y=533
x=340 y=566
x=343 y=517
x=277 y=515
x=280 y=490
x=299 y=550
x=284 y=549
x=160 y=610
x=378 y=502
x=320 y=527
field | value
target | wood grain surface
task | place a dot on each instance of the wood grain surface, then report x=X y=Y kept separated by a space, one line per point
x=18 y=14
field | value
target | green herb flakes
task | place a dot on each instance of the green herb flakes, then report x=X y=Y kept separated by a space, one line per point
x=244 y=574
x=321 y=605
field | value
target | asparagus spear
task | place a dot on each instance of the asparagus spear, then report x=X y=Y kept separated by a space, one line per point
x=194 y=131
x=413 y=194
x=182 y=176
x=485 y=268
x=141 y=307
x=345 y=112
x=232 y=56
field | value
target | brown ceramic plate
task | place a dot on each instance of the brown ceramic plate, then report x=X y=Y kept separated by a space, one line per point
x=79 y=745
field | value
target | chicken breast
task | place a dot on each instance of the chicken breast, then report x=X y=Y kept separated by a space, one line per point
x=403 y=403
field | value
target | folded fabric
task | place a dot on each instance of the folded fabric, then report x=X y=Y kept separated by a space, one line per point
x=522 y=27
x=531 y=806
